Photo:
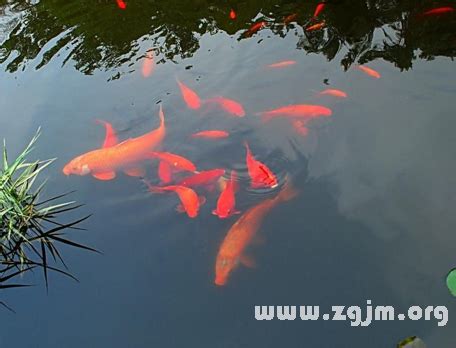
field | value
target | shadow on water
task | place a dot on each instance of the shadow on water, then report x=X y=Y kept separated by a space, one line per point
x=99 y=35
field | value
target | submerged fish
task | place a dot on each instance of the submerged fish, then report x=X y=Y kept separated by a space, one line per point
x=165 y=172
x=290 y=18
x=211 y=134
x=316 y=26
x=334 y=93
x=121 y=4
x=299 y=111
x=369 y=71
x=439 y=11
x=202 y=178
x=300 y=127
x=192 y=99
x=148 y=64
x=319 y=9
x=227 y=199
x=176 y=162
x=232 y=250
x=232 y=14
x=229 y=105
x=281 y=64
x=127 y=155
x=254 y=28
x=260 y=175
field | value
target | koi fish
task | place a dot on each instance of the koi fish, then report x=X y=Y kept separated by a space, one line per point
x=232 y=250
x=300 y=127
x=438 y=11
x=202 y=178
x=229 y=105
x=111 y=136
x=176 y=162
x=190 y=201
x=232 y=14
x=121 y=4
x=211 y=134
x=260 y=174
x=192 y=99
x=334 y=93
x=254 y=28
x=281 y=64
x=319 y=9
x=317 y=26
x=103 y=163
x=306 y=111
x=148 y=64
x=165 y=172
x=227 y=199
x=369 y=71
x=290 y=18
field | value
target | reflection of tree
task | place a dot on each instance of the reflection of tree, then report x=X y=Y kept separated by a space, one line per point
x=97 y=35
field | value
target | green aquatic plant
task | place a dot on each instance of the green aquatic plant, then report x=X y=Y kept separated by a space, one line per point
x=29 y=228
x=451 y=281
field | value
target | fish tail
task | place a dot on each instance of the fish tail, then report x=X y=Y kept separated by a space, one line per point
x=161 y=115
x=265 y=117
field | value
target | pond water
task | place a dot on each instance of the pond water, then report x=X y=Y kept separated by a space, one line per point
x=374 y=218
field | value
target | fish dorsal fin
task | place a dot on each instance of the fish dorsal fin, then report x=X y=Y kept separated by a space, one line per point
x=105 y=175
x=110 y=134
x=247 y=261
x=135 y=171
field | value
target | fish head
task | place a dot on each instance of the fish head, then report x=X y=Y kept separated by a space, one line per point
x=77 y=166
x=223 y=268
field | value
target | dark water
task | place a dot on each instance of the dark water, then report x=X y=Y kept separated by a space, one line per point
x=375 y=215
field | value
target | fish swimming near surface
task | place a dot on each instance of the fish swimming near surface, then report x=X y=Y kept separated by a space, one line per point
x=255 y=28
x=232 y=14
x=281 y=64
x=316 y=26
x=148 y=66
x=176 y=162
x=165 y=172
x=334 y=93
x=126 y=156
x=202 y=178
x=320 y=7
x=191 y=99
x=369 y=71
x=226 y=204
x=229 y=105
x=232 y=250
x=306 y=111
x=290 y=18
x=261 y=176
x=211 y=134
x=121 y=4
x=439 y=11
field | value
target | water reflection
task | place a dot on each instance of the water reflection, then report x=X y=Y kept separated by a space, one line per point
x=99 y=35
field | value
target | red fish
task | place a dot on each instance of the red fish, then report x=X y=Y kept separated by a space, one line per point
x=148 y=64
x=438 y=11
x=177 y=162
x=334 y=93
x=319 y=9
x=232 y=14
x=227 y=199
x=121 y=4
x=254 y=28
x=165 y=172
x=111 y=136
x=229 y=105
x=103 y=163
x=300 y=127
x=192 y=99
x=290 y=18
x=260 y=175
x=282 y=64
x=211 y=134
x=369 y=71
x=232 y=250
x=306 y=111
x=317 y=26
x=190 y=201
x=202 y=178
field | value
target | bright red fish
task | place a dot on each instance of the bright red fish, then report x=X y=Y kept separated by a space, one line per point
x=192 y=99
x=317 y=26
x=306 y=111
x=254 y=28
x=121 y=4
x=165 y=172
x=439 y=11
x=334 y=93
x=190 y=201
x=369 y=71
x=111 y=136
x=177 y=162
x=290 y=18
x=202 y=178
x=211 y=134
x=319 y=9
x=281 y=64
x=261 y=176
x=227 y=199
x=232 y=14
x=229 y=105
x=148 y=64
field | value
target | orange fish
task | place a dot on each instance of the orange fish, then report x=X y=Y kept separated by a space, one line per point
x=177 y=162
x=290 y=18
x=202 y=178
x=254 y=28
x=190 y=201
x=232 y=14
x=227 y=199
x=103 y=163
x=306 y=111
x=165 y=172
x=260 y=175
x=148 y=64
x=317 y=26
x=281 y=64
x=111 y=136
x=319 y=9
x=438 y=11
x=192 y=99
x=232 y=250
x=211 y=134
x=229 y=105
x=369 y=71
x=300 y=127
x=121 y=4
x=334 y=93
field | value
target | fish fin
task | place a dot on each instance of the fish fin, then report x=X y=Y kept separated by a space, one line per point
x=247 y=261
x=201 y=200
x=180 y=208
x=110 y=134
x=214 y=212
x=161 y=115
x=135 y=171
x=258 y=240
x=105 y=175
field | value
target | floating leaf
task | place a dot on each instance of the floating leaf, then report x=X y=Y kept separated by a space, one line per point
x=451 y=281
x=411 y=342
